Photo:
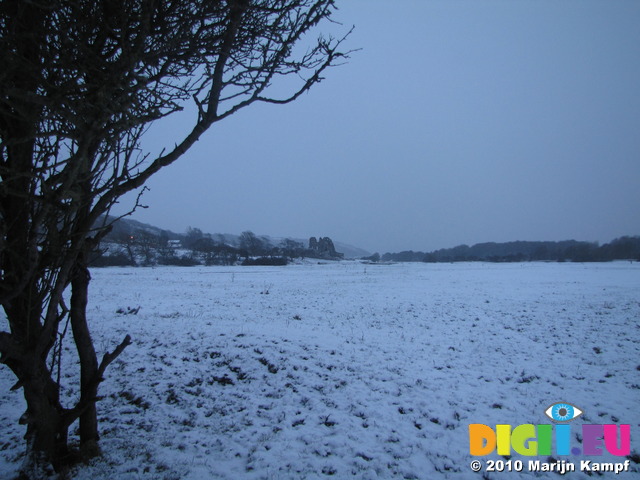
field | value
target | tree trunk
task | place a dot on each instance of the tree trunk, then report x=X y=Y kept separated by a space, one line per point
x=87 y=355
x=46 y=435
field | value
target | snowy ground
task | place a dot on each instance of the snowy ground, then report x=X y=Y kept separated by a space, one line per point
x=347 y=370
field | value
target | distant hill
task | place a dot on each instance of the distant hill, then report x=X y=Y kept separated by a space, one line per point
x=129 y=237
x=623 y=248
x=129 y=226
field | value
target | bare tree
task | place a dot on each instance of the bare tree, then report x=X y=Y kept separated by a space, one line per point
x=147 y=243
x=292 y=248
x=80 y=83
x=251 y=244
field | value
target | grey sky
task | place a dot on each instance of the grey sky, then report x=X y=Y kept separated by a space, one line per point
x=458 y=122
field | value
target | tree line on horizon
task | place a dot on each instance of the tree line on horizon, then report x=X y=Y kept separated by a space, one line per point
x=132 y=243
x=622 y=248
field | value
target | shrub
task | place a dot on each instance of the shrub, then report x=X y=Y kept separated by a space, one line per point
x=117 y=259
x=265 y=261
x=183 y=261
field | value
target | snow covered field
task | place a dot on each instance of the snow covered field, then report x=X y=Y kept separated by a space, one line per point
x=348 y=370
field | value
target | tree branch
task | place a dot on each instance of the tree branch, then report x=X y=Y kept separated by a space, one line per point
x=89 y=394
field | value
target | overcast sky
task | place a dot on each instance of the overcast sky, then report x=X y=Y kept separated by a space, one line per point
x=458 y=122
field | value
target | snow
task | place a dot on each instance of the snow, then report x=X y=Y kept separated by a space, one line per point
x=347 y=370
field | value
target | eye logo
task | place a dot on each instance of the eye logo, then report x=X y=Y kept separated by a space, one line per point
x=562 y=412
